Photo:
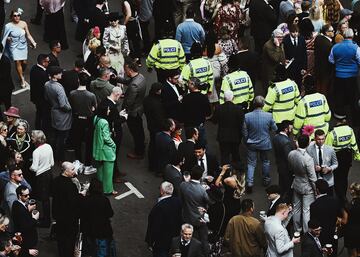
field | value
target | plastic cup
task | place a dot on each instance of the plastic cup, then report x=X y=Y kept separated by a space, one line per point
x=297 y=234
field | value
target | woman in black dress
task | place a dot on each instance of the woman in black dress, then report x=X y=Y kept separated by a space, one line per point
x=352 y=228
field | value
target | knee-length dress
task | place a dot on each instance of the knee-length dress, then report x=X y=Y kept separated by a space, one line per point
x=17 y=48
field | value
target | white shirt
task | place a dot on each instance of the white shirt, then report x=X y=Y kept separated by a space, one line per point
x=163 y=197
x=186 y=242
x=174 y=88
x=294 y=40
x=42 y=67
x=205 y=166
x=43 y=159
x=274 y=201
x=22 y=203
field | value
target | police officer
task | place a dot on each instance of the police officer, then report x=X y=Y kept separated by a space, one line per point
x=199 y=68
x=342 y=138
x=312 y=109
x=166 y=55
x=282 y=97
x=240 y=84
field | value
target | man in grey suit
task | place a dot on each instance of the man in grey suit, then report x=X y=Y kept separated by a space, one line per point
x=256 y=131
x=195 y=199
x=61 y=114
x=277 y=237
x=324 y=158
x=302 y=165
x=285 y=9
x=133 y=104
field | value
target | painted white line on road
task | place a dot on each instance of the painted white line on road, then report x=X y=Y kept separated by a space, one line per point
x=132 y=190
x=20 y=90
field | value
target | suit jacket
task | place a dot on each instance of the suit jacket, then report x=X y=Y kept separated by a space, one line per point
x=213 y=168
x=154 y=112
x=297 y=52
x=309 y=248
x=186 y=149
x=195 y=248
x=164 y=222
x=329 y=160
x=165 y=150
x=279 y=242
x=193 y=195
x=7 y=84
x=172 y=175
x=9 y=196
x=171 y=102
x=272 y=210
x=70 y=81
x=38 y=78
x=134 y=96
x=283 y=145
x=263 y=19
x=230 y=119
x=285 y=8
x=302 y=165
x=330 y=206
x=322 y=48
x=256 y=130
x=24 y=223
x=104 y=148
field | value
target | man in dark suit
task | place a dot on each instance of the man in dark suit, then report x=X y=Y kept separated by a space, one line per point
x=274 y=196
x=165 y=146
x=263 y=22
x=186 y=244
x=322 y=67
x=70 y=78
x=172 y=173
x=164 y=221
x=194 y=199
x=310 y=244
x=295 y=48
x=172 y=95
x=325 y=209
x=186 y=148
x=283 y=145
x=206 y=161
x=38 y=78
x=230 y=119
x=7 y=84
x=155 y=116
x=25 y=221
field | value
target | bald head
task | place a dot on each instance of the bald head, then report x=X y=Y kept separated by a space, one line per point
x=68 y=169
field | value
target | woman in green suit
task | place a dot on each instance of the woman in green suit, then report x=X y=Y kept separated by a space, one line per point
x=104 y=150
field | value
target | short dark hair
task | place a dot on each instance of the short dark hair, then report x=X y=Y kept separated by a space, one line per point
x=167 y=124
x=313 y=224
x=99 y=1
x=177 y=158
x=284 y=125
x=273 y=189
x=20 y=189
x=309 y=84
x=196 y=172
x=132 y=65
x=294 y=28
x=325 y=28
x=79 y=63
x=322 y=185
x=246 y=204
x=199 y=145
x=53 y=43
x=5 y=242
x=84 y=79
x=303 y=141
x=41 y=58
x=190 y=132
x=190 y=12
x=100 y=50
x=12 y=168
x=319 y=132
x=196 y=50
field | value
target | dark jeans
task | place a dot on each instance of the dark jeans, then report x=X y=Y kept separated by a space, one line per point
x=201 y=233
x=135 y=125
x=132 y=30
x=146 y=36
x=81 y=131
x=229 y=149
x=59 y=141
x=42 y=191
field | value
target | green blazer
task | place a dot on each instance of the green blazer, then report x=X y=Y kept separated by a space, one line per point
x=104 y=148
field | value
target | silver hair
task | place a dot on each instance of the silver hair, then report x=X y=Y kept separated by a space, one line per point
x=259 y=101
x=167 y=188
x=116 y=90
x=103 y=72
x=67 y=166
x=23 y=123
x=38 y=136
x=187 y=226
x=349 y=33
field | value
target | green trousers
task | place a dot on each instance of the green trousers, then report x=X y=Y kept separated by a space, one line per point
x=105 y=173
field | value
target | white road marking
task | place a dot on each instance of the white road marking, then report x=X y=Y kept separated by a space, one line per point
x=132 y=190
x=20 y=90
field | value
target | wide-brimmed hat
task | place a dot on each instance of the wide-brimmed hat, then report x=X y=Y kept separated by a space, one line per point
x=13 y=112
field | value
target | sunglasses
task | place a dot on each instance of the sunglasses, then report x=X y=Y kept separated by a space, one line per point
x=16 y=15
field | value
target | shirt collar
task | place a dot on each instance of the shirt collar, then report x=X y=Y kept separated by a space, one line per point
x=177 y=168
x=321 y=195
x=163 y=197
x=42 y=67
x=111 y=100
x=189 y=19
x=283 y=133
x=274 y=201
x=196 y=181
x=186 y=242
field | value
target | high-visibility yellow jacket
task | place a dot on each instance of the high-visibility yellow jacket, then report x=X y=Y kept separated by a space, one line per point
x=240 y=84
x=167 y=54
x=312 y=110
x=282 y=98
x=343 y=137
x=199 y=68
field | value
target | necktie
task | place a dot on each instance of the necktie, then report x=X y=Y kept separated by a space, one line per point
x=202 y=164
x=320 y=157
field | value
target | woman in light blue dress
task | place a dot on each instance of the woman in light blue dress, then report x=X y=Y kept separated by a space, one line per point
x=14 y=40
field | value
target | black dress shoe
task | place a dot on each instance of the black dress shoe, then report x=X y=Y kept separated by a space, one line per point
x=35 y=21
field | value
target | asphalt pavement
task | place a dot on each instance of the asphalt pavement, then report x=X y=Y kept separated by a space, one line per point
x=130 y=219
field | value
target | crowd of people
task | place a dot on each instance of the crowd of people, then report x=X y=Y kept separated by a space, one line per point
x=270 y=74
